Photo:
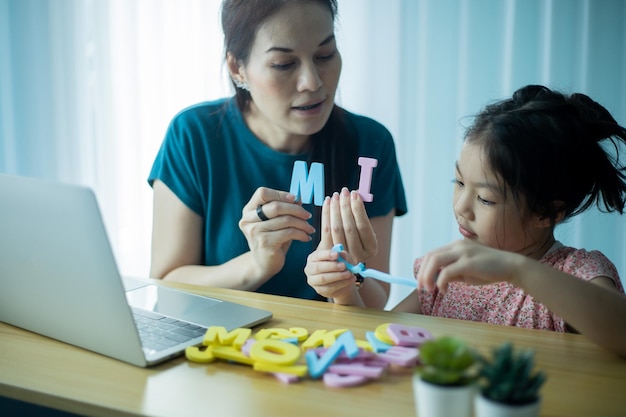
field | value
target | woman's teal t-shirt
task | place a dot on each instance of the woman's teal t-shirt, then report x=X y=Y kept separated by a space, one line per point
x=214 y=163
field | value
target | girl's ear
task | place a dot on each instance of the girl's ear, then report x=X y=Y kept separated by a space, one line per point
x=543 y=221
x=234 y=68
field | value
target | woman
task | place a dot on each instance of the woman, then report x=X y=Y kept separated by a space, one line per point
x=221 y=215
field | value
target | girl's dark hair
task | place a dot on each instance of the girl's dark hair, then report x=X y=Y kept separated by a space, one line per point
x=561 y=153
x=336 y=144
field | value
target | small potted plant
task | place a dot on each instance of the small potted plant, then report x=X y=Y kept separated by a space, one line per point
x=508 y=384
x=444 y=382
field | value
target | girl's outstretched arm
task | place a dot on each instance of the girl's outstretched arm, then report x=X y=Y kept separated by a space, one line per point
x=595 y=308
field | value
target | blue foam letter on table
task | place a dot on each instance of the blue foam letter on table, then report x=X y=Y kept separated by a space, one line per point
x=345 y=342
x=303 y=184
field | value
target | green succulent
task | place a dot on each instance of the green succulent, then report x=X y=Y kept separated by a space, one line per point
x=447 y=361
x=508 y=376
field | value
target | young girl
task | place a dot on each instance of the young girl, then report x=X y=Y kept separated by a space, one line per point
x=527 y=164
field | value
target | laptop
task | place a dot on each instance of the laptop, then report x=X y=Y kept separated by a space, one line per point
x=59 y=278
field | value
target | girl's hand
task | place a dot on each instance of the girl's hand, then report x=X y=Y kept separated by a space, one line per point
x=269 y=240
x=469 y=262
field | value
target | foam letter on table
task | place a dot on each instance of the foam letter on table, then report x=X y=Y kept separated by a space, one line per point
x=275 y=351
x=217 y=335
x=199 y=354
x=382 y=334
x=295 y=370
x=365 y=181
x=356 y=368
x=400 y=355
x=230 y=353
x=299 y=333
x=408 y=336
x=341 y=381
x=322 y=338
x=318 y=366
x=308 y=183
x=377 y=344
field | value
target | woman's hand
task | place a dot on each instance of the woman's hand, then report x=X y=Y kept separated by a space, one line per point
x=469 y=262
x=329 y=277
x=270 y=238
x=345 y=221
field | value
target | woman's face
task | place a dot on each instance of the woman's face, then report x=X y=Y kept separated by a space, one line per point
x=482 y=211
x=292 y=73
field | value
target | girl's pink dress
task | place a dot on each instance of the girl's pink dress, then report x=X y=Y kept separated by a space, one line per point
x=505 y=304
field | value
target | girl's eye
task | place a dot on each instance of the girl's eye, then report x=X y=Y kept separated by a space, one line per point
x=483 y=201
x=458 y=183
x=282 y=67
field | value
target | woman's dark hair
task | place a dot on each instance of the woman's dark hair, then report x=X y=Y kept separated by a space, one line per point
x=561 y=153
x=241 y=20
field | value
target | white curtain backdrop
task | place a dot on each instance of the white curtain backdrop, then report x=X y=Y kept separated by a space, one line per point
x=87 y=88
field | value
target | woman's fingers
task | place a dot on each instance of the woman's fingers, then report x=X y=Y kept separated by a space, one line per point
x=326 y=238
x=350 y=225
x=367 y=241
x=326 y=275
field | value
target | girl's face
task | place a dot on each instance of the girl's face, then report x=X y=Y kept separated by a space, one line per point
x=482 y=211
x=292 y=72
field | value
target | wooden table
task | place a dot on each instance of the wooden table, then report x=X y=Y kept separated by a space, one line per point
x=583 y=379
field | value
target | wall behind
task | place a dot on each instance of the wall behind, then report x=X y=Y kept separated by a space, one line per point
x=88 y=87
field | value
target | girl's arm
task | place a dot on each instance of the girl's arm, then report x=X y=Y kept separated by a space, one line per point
x=595 y=309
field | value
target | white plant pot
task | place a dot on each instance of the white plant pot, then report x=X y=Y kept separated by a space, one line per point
x=484 y=407
x=442 y=401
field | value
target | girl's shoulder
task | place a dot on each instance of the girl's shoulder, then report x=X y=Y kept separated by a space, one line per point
x=582 y=263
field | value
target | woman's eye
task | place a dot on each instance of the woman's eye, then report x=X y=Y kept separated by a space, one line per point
x=326 y=57
x=458 y=183
x=483 y=201
x=282 y=67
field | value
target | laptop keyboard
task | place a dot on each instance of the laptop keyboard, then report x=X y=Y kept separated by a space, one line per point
x=158 y=332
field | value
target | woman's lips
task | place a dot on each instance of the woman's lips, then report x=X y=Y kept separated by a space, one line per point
x=466 y=233
x=309 y=109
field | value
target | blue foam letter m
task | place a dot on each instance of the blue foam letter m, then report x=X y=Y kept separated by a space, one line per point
x=303 y=184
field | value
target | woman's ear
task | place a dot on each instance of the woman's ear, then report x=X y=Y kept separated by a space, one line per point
x=235 y=69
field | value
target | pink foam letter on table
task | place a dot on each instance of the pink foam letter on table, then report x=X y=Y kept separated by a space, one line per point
x=304 y=184
x=341 y=381
x=400 y=355
x=286 y=378
x=408 y=336
x=365 y=181
x=356 y=368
